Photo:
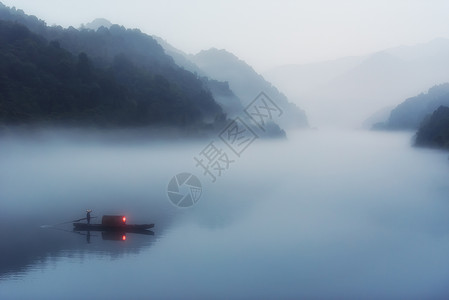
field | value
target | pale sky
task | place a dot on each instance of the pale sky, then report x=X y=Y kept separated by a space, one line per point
x=263 y=33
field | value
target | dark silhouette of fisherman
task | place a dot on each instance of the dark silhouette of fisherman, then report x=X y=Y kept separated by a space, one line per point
x=88 y=215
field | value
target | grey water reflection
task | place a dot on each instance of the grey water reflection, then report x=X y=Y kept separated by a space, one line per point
x=26 y=244
x=321 y=215
x=50 y=178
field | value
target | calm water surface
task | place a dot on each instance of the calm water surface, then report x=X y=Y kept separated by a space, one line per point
x=324 y=214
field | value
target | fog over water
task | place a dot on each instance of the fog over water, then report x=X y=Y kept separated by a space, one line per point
x=329 y=212
x=323 y=214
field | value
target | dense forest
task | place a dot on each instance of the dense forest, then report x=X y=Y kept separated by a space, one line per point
x=427 y=113
x=108 y=77
x=434 y=131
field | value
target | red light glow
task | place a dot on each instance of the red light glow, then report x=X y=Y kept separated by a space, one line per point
x=124 y=237
x=124 y=219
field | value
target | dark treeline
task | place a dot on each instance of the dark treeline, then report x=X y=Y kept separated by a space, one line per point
x=427 y=113
x=434 y=131
x=108 y=77
x=409 y=114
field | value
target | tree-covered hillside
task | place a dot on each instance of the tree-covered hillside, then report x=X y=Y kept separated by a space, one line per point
x=434 y=131
x=110 y=76
x=409 y=114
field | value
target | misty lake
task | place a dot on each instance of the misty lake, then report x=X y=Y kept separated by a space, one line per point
x=323 y=214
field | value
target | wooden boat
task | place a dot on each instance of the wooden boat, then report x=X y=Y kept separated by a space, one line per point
x=112 y=223
x=99 y=227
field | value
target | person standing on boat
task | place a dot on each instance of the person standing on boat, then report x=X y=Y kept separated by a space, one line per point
x=88 y=215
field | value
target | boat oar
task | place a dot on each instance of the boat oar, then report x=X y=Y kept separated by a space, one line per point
x=78 y=220
x=65 y=230
x=46 y=226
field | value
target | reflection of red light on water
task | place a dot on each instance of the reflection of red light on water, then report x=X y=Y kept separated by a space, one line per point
x=124 y=237
x=124 y=219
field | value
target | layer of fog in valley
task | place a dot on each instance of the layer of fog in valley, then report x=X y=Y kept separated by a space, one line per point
x=322 y=214
x=345 y=92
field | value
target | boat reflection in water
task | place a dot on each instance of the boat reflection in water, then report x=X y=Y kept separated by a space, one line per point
x=112 y=228
x=44 y=243
x=113 y=235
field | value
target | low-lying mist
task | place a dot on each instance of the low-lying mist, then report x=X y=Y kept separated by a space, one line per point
x=322 y=213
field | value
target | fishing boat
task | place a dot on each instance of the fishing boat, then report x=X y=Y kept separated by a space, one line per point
x=112 y=223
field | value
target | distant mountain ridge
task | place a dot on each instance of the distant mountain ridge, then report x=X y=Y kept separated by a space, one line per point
x=231 y=100
x=247 y=83
x=106 y=44
x=223 y=94
x=149 y=87
x=332 y=91
x=410 y=114
x=426 y=113
x=180 y=57
x=96 y=24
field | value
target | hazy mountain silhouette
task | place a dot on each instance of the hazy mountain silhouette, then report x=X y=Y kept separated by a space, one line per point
x=332 y=91
x=169 y=94
x=299 y=79
x=223 y=94
x=109 y=76
x=96 y=24
x=234 y=83
x=179 y=56
x=247 y=83
x=410 y=114
x=380 y=116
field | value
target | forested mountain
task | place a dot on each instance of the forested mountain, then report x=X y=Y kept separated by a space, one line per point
x=180 y=57
x=96 y=24
x=434 y=131
x=112 y=76
x=220 y=89
x=40 y=81
x=409 y=114
x=231 y=104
